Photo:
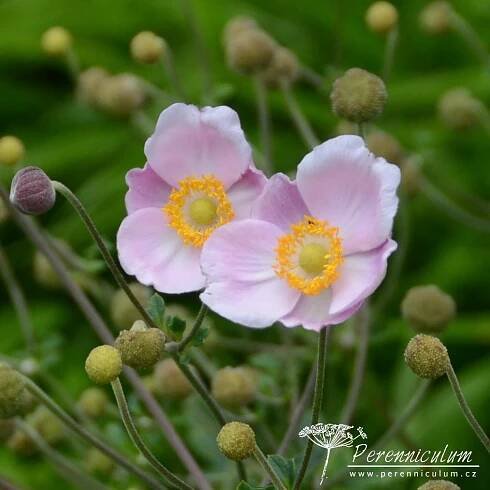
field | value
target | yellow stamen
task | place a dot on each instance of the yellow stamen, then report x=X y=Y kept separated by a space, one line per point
x=309 y=257
x=197 y=207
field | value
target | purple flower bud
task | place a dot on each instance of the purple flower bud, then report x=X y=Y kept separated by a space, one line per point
x=32 y=191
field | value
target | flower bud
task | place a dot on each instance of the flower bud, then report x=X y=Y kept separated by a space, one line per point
x=49 y=426
x=93 y=402
x=43 y=272
x=103 y=364
x=32 y=191
x=284 y=66
x=121 y=95
x=237 y=25
x=233 y=387
x=428 y=309
x=236 y=441
x=436 y=18
x=123 y=312
x=427 y=356
x=381 y=17
x=459 y=110
x=141 y=347
x=147 y=47
x=170 y=382
x=96 y=462
x=12 y=392
x=250 y=51
x=12 y=150
x=358 y=95
x=384 y=145
x=439 y=485
x=56 y=41
x=89 y=83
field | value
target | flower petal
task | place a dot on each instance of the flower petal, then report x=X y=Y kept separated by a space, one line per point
x=192 y=142
x=245 y=192
x=153 y=252
x=360 y=275
x=146 y=189
x=346 y=185
x=242 y=286
x=280 y=203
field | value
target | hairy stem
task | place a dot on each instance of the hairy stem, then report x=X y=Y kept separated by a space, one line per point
x=195 y=328
x=264 y=463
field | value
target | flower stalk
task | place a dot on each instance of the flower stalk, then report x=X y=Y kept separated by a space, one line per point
x=264 y=121
x=264 y=463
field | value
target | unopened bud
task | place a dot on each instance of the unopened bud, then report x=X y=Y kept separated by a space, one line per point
x=237 y=25
x=437 y=17
x=123 y=311
x=43 y=271
x=103 y=364
x=284 y=67
x=12 y=150
x=89 y=83
x=121 y=95
x=459 y=110
x=32 y=191
x=93 y=402
x=428 y=309
x=439 y=485
x=96 y=462
x=381 y=17
x=170 y=382
x=234 y=387
x=147 y=47
x=358 y=95
x=427 y=356
x=12 y=392
x=49 y=426
x=236 y=441
x=56 y=41
x=384 y=145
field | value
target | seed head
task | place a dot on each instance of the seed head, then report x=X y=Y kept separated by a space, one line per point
x=56 y=41
x=103 y=364
x=427 y=356
x=93 y=402
x=170 y=382
x=12 y=150
x=234 y=387
x=381 y=17
x=384 y=145
x=123 y=312
x=459 y=110
x=437 y=17
x=358 y=95
x=12 y=392
x=147 y=47
x=236 y=441
x=439 y=485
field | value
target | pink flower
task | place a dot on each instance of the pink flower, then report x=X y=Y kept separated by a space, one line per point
x=314 y=249
x=199 y=175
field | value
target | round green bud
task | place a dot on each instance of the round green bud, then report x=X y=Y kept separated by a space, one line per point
x=141 y=347
x=439 y=485
x=147 y=47
x=49 y=426
x=170 y=382
x=93 y=402
x=89 y=83
x=428 y=309
x=384 y=145
x=459 y=110
x=236 y=441
x=12 y=150
x=103 y=364
x=381 y=17
x=96 y=462
x=56 y=41
x=123 y=312
x=234 y=387
x=236 y=25
x=358 y=95
x=284 y=67
x=437 y=17
x=427 y=356
x=12 y=392
x=121 y=95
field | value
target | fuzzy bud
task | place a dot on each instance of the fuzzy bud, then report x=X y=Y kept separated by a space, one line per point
x=56 y=41
x=121 y=95
x=147 y=47
x=236 y=441
x=427 y=356
x=384 y=145
x=170 y=382
x=103 y=364
x=96 y=462
x=141 y=347
x=428 y=309
x=12 y=392
x=436 y=18
x=358 y=95
x=89 y=83
x=32 y=191
x=237 y=25
x=459 y=110
x=12 y=150
x=123 y=312
x=234 y=387
x=93 y=402
x=284 y=66
x=250 y=51
x=381 y=17
x=439 y=485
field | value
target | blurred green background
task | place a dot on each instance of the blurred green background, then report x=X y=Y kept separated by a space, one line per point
x=91 y=152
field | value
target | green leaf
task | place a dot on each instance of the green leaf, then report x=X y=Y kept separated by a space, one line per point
x=285 y=468
x=175 y=327
x=243 y=485
x=156 y=309
x=200 y=336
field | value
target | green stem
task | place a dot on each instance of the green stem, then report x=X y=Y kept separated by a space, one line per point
x=471 y=37
x=75 y=427
x=391 y=41
x=195 y=328
x=264 y=463
x=169 y=478
x=169 y=67
x=465 y=408
x=264 y=121
x=317 y=400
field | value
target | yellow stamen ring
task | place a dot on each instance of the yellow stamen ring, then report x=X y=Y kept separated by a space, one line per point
x=197 y=207
x=309 y=257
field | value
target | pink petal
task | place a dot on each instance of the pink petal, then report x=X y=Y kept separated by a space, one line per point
x=246 y=191
x=242 y=286
x=344 y=184
x=192 y=142
x=280 y=203
x=146 y=189
x=360 y=275
x=153 y=252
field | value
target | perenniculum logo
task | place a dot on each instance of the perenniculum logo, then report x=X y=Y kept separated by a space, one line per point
x=376 y=463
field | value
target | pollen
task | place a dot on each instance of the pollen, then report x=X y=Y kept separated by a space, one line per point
x=196 y=207
x=309 y=257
